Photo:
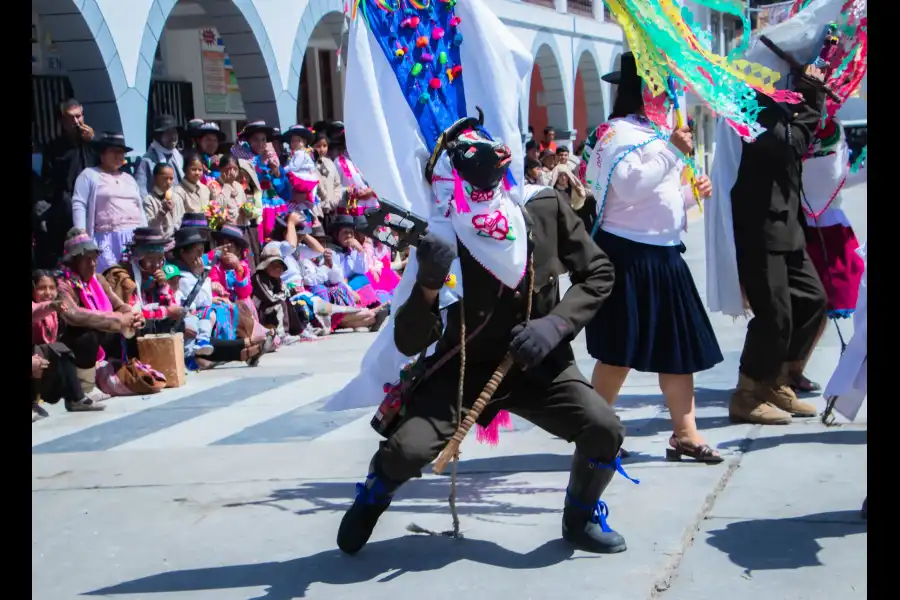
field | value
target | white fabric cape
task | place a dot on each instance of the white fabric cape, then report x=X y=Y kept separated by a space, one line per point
x=849 y=381
x=799 y=36
x=386 y=144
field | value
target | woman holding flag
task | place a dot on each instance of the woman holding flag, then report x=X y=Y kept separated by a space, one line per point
x=654 y=321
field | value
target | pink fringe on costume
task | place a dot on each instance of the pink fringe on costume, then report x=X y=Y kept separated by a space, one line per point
x=459 y=195
x=491 y=434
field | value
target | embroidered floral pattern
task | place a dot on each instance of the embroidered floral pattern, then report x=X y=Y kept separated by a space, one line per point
x=482 y=195
x=494 y=225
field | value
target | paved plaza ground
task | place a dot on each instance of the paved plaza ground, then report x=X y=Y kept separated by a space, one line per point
x=232 y=488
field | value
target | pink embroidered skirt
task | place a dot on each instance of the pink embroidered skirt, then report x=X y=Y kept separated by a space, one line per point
x=843 y=269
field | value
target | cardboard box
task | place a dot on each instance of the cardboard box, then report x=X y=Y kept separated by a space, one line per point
x=165 y=353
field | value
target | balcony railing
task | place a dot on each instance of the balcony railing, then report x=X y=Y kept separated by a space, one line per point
x=584 y=8
x=544 y=3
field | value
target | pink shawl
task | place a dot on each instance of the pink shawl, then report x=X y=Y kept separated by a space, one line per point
x=93 y=297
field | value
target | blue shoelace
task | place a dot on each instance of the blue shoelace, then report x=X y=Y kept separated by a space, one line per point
x=600 y=511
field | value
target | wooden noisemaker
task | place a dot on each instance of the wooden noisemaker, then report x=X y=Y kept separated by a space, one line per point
x=452 y=448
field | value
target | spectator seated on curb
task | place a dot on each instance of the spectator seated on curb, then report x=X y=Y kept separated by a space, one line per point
x=53 y=371
x=300 y=251
x=96 y=318
x=233 y=338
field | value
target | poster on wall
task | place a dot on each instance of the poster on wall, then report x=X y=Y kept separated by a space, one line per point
x=221 y=93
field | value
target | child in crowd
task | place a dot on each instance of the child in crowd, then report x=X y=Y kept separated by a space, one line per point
x=198 y=331
x=53 y=371
x=160 y=207
x=191 y=194
x=270 y=295
x=302 y=174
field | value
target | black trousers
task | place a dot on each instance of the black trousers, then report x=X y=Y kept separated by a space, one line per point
x=788 y=304
x=85 y=344
x=566 y=407
x=60 y=379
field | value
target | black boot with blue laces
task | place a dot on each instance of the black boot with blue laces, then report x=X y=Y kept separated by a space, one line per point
x=585 y=515
x=372 y=498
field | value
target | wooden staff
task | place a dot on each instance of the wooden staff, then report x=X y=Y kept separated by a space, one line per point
x=452 y=448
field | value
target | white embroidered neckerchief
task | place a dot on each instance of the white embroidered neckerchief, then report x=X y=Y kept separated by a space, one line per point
x=490 y=225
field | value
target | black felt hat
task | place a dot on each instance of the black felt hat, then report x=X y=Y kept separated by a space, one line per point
x=341 y=221
x=111 y=139
x=256 y=127
x=627 y=74
x=188 y=236
x=195 y=133
x=299 y=131
x=232 y=233
x=163 y=123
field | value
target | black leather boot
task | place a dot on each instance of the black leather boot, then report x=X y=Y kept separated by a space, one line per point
x=372 y=498
x=584 y=518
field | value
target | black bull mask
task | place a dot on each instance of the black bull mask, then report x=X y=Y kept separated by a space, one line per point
x=480 y=161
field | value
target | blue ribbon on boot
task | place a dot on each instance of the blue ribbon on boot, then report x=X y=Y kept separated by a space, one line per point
x=600 y=511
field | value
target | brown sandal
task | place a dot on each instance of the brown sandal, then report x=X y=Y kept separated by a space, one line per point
x=703 y=453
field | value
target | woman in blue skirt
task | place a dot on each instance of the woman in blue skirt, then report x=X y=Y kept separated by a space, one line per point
x=654 y=321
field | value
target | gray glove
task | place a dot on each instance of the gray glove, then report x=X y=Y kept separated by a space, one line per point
x=434 y=256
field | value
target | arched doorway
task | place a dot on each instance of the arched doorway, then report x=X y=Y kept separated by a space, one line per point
x=321 y=45
x=589 y=106
x=547 y=99
x=222 y=49
x=68 y=61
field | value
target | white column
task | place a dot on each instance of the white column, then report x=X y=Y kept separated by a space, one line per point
x=599 y=10
x=315 y=85
x=561 y=5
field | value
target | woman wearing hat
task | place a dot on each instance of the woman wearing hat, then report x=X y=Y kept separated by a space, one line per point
x=232 y=337
x=309 y=281
x=206 y=138
x=302 y=176
x=108 y=203
x=654 y=320
x=95 y=317
x=270 y=296
x=349 y=260
x=233 y=274
x=163 y=149
x=251 y=210
x=257 y=139
x=330 y=189
x=357 y=196
x=140 y=282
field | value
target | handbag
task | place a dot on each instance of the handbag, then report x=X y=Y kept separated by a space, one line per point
x=140 y=379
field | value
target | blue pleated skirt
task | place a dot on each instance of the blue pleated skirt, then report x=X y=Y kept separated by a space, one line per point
x=654 y=320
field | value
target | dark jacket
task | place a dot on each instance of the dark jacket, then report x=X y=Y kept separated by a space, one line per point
x=559 y=244
x=62 y=163
x=766 y=197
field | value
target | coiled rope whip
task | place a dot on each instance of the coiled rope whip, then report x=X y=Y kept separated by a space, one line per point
x=450 y=453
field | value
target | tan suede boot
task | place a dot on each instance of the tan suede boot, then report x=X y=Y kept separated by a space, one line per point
x=88 y=380
x=782 y=396
x=748 y=406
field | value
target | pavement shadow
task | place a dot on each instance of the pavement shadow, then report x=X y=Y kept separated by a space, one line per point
x=477 y=492
x=703 y=397
x=845 y=437
x=386 y=560
x=773 y=544
x=662 y=424
x=479 y=482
